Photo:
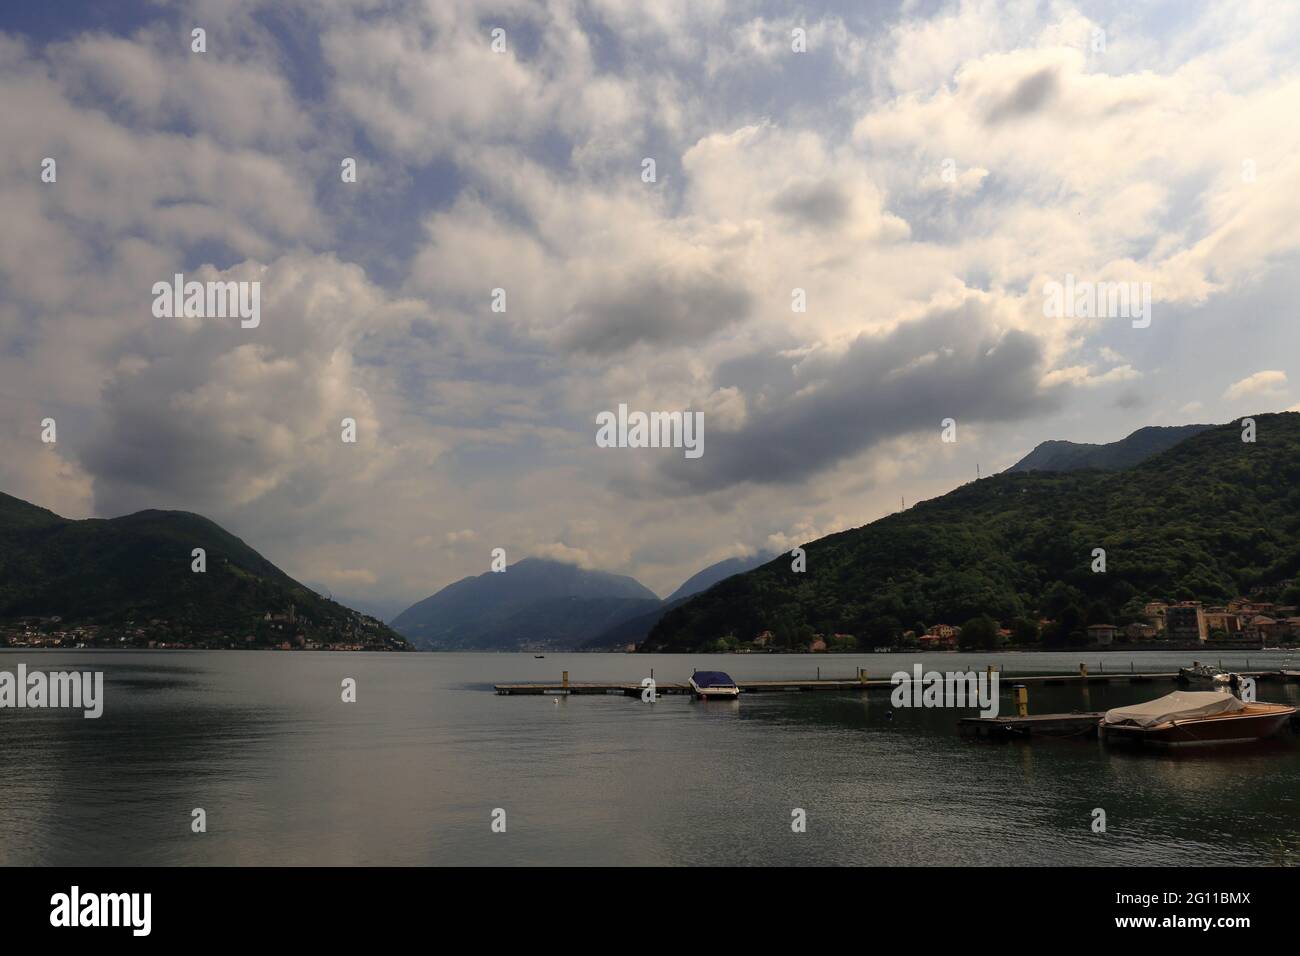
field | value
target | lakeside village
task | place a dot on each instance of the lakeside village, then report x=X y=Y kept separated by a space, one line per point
x=272 y=630
x=1241 y=624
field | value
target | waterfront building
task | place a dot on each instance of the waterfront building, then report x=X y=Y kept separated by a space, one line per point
x=1225 y=621
x=1102 y=634
x=1185 y=623
x=1140 y=631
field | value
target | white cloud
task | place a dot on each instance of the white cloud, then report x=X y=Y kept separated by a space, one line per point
x=558 y=551
x=1082 y=375
x=821 y=171
x=1264 y=383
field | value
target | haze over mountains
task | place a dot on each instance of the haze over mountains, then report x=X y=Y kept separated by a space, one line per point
x=132 y=576
x=541 y=604
x=703 y=580
x=1187 y=510
x=635 y=629
x=1209 y=518
x=534 y=603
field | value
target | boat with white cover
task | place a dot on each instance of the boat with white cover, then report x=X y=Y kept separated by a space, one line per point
x=1194 y=717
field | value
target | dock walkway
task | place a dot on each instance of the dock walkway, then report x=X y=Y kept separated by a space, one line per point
x=564 y=686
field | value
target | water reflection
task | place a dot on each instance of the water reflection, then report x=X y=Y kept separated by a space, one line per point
x=410 y=773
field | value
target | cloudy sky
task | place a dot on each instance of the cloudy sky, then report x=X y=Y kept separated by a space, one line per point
x=921 y=171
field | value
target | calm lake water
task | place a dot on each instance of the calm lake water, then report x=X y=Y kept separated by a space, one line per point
x=410 y=773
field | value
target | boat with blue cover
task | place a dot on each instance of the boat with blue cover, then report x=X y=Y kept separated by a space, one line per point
x=708 y=685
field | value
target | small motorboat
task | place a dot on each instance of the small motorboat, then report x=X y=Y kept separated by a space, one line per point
x=1194 y=717
x=1202 y=675
x=710 y=685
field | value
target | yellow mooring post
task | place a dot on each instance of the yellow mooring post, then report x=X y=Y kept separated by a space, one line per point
x=1083 y=670
x=862 y=675
x=1021 y=694
x=566 y=678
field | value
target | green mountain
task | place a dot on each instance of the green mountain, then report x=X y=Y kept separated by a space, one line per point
x=536 y=603
x=1209 y=518
x=1125 y=453
x=136 y=571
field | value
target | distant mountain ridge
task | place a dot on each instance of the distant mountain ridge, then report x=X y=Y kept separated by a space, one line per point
x=536 y=603
x=541 y=604
x=1125 y=453
x=636 y=629
x=703 y=580
x=137 y=569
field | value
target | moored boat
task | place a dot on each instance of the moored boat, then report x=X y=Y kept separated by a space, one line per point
x=1202 y=675
x=708 y=685
x=1194 y=717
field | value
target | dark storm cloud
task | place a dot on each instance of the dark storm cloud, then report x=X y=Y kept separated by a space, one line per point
x=149 y=452
x=664 y=308
x=950 y=364
x=820 y=205
x=1030 y=95
x=145 y=455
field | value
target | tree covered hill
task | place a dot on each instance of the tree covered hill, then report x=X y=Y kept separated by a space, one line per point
x=1207 y=519
x=139 y=568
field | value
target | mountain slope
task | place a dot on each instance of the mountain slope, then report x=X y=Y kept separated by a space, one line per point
x=635 y=630
x=534 y=603
x=137 y=568
x=1209 y=518
x=380 y=610
x=703 y=580
x=632 y=630
x=1125 y=453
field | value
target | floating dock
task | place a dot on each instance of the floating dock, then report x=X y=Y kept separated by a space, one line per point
x=635 y=690
x=1082 y=724
x=564 y=686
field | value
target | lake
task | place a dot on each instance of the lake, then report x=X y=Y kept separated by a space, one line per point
x=411 y=773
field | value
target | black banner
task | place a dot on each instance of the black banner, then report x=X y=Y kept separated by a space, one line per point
x=543 y=907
